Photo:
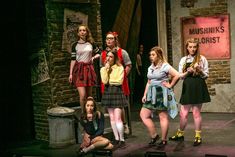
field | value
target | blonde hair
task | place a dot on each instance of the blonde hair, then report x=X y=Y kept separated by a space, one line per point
x=160 y=54
x=197 y=54
x=89 y=37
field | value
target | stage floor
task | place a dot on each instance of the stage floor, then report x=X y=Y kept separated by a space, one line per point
x=218 y=138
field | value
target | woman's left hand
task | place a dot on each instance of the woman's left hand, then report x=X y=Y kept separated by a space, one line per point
x=86 y=141
x=198 y=68
x=92 y=59
x=144 y=99
x=166 y=84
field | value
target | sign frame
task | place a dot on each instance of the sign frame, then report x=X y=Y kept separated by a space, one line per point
x=213 y=33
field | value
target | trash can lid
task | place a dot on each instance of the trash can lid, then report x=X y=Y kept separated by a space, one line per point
x=60 y=111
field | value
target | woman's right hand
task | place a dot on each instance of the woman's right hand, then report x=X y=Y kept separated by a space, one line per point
x=107 y=65
x=144 y=99
x=70 y=78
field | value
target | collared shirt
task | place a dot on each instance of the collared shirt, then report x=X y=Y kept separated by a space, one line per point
x=158 y=73
x=115 y=77
x=203 y=64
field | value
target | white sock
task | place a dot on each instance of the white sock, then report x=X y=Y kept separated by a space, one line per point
x=115 y=131
x=120 y=129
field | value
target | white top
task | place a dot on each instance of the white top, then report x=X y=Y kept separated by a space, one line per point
x=83 y=52
x=203 y=63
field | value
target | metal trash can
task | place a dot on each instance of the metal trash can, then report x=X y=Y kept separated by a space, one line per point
x=78 y=127
x=61 y=127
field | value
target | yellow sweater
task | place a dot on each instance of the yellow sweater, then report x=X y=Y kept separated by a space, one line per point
x=115 y=77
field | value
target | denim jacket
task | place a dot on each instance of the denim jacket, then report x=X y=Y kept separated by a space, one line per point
x=168 y=97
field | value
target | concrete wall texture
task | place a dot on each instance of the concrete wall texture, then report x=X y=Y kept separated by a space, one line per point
x=221 y=87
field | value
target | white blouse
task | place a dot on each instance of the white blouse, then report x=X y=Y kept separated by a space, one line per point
x=203 y=64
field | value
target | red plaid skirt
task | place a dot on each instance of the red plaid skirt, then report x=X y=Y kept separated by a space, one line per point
x=84 y=74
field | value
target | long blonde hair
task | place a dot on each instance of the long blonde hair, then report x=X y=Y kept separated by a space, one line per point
x=197 y=54
x=197 y=57
x=89 y=37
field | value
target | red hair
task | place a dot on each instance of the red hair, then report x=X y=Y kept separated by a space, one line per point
x=115 y=34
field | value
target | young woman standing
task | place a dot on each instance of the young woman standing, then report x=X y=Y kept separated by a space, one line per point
x=113 y=98
x=82 y=73
x=193 y=69
x=158 y=95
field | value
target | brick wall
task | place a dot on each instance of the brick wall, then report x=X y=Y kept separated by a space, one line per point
x=217 y=73
x=219 y=70
x=57 y=90
x=169 y=35
x=221 y=82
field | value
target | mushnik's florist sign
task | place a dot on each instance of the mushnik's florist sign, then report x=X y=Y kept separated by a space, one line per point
x=213 y=33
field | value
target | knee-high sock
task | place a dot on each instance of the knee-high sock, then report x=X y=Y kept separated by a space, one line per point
x=120 y=129
x=115 y=131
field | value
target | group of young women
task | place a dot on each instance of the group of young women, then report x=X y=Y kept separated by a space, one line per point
x=158 y=95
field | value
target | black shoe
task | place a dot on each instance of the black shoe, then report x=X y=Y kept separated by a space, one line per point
x=197 y=141
x=154 y=140
x=162 y=143
x=122 y=144
x=176 y=138
x=115 y=142
x=101 y=152
x=80 y=153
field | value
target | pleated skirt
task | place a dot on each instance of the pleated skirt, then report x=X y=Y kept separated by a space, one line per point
x=194 y=91
x=114 y=97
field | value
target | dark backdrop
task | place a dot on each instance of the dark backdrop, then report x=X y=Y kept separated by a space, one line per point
x=16 y=105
